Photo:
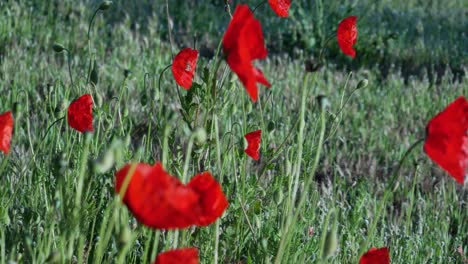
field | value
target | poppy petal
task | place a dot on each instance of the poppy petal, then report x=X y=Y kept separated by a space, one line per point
x=183 y=67
x=376 y=256
x=281 y=7
x=243 y=43
x=178 y=256
x=347 y=35
x=6 y=131
x=159 y=200
x=80 y=114
x=253 y=144
x=447 y=139
x=212 y=199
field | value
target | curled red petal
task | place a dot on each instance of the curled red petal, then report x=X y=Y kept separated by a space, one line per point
x=347 y=35
x=6 y=131
x=183 y=67
x=281 y=7
x=447 y=139
x=159 y=200
x=178 y=256
x=253 y=144
x=212 y=200
x=80 y=114
x=376 y=256
x=243 y=43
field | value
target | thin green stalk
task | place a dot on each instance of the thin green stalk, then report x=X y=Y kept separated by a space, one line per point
x=89 y=45
x=81 y=174
x=300 y=139
x=394 y=182
x=324 y=234
x=69 y=67
x=188 y=157
x=292 y=220
x=221 y=177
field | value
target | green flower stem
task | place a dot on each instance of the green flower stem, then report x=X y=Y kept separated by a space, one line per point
x=293 y=214
x=394 y=182
x=89 y=44
x=69 y=67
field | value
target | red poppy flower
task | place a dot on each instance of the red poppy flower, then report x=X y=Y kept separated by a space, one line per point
x=160 y=200
x=253 y=144
x=178 y=256
x=447 y=139
x=281 y=7
x=347 y=35
x=183 y=67
x=80 y=114
x=376 y=256
x=242 y=43
x=212 y=199
x=6 y=131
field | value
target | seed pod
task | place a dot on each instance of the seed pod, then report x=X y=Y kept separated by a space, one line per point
x=362 y=84
x=58 y=47
x=331 y=243
x=105 y=5
x=125 y=236
x=94 y=76
x=323 y=101
x=200 y=135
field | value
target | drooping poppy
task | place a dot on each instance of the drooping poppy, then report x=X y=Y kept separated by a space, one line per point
x=347 y=35
x=6 y=131
x=376 y=256
x=80 y=114
x=183 y=67
x=253 y=144
x=447 y=139
x=159 y=200
x=212 y=199
x=281 y=7
x=178 y=256
x=242 y=43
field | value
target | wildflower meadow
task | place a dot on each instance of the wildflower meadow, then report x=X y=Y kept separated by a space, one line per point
x=227 y=131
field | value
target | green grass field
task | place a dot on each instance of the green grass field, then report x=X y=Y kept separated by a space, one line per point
x=57 y=199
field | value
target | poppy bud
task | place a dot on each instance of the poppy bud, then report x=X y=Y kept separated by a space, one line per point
x=61 y=106
x=312 y=65
x=331 y=243
x=323 y=101
x=94 y=76
x=271 y=126
x=144 y=99
x=54 y=257
x=58 y=47
x=362 y=84
x=125 y=236
x=127 y=73
x=279 y=197
x=105 y=163
x=99 y=100
x=200 y=135
x=105 y=5
x=16 y=109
